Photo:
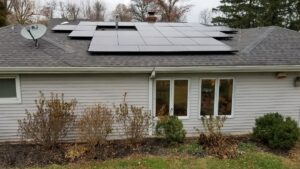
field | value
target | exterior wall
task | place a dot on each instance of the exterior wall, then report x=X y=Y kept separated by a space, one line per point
x=87 y=89
x=254 y=95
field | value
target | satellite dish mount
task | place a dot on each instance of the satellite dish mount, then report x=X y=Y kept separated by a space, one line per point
x=36 y=44
x=34 y=32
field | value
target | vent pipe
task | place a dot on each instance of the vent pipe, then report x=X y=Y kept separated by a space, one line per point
x=117 y=17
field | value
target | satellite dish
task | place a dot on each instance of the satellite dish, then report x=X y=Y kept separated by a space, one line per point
x=34 y=32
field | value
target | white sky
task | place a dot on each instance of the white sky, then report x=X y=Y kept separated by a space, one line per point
x=192 y=16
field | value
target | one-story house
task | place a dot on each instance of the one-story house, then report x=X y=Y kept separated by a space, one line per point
x=180 y=69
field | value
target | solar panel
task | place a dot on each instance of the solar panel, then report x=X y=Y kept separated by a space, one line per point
x=207 y=41
x=98 y=41
x=106 y=33
x=64 y=27
x=151 y=33
x=182 y=41
x=145 y=37
x=217 y=35
x=131 y=40
x=85 y=28
x=82 y=34
x=213 y=48
x=157 y=41
x=112 y=49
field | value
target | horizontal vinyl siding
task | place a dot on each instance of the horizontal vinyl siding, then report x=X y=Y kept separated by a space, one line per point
x=255 y=94
x=87 y=89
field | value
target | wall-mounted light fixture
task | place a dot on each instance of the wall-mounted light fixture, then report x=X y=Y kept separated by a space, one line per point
x=281 y=75
x=297 y=82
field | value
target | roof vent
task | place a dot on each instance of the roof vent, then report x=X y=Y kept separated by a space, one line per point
x=151 y=18
x=117 y=18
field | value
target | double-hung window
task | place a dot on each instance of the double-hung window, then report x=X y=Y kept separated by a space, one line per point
x=9 y=89
x=172 y=97
x=216 y=97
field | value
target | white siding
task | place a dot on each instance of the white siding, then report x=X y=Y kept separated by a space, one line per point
x=87 y=89
x=255 y=95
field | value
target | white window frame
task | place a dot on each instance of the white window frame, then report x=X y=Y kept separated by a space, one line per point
x=217 y=92
x=17 y=99
x=171 y=102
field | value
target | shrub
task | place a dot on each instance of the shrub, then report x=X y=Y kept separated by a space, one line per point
x=51 y=121
x=95 y=125
x=171 y=128
x=134 y=120
x=276 y=131
x=213 y=141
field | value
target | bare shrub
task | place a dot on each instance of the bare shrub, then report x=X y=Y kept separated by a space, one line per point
x=213 y=141
x=95 y=125
x=51 y=121
x=134 y=120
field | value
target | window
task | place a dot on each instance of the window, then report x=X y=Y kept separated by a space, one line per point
x=216 y=97
x=172 y=97
x=9 y=90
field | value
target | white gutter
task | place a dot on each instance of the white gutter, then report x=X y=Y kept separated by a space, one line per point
x=195 y=69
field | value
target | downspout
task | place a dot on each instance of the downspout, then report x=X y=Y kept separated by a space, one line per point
x=150 y=104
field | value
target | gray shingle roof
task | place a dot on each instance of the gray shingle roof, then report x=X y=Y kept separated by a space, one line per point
x=258 y=46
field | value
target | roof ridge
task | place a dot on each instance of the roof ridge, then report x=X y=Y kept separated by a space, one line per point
x=256 y=42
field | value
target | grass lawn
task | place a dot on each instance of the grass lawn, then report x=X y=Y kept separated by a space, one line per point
x=250 y=159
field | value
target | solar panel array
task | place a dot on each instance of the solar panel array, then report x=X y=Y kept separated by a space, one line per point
x=147 y=37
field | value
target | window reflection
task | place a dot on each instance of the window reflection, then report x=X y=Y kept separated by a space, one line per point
x=162 y=97
x=207 y=97
x=225 y=96
x=180 y=97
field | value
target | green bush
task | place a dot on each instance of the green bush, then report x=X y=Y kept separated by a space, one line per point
x=276 y=131
x=171 y=128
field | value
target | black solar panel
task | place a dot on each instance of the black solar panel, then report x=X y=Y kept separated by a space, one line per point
x=146 y=37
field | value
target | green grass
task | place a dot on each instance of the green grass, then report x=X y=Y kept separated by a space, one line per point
x=249 y=160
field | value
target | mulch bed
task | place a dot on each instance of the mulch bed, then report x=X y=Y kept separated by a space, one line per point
x=26 y=155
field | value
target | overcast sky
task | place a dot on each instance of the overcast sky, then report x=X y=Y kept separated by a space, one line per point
x=192 y=16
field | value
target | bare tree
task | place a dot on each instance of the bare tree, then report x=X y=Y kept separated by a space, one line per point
x=124 y=13
x=69 y=10
x=93 y=10
x=205 y=16
x=99 y=10
x=48 y=9
x=140 y=9
x=171 y=11
x=22 y=10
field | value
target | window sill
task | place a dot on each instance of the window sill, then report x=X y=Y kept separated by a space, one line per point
x=10 y=101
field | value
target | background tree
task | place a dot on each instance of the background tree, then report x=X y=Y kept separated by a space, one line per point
x=171 y=11
x=69 y=10
x=48 y=9
x=205 y=16
x=254 y=13
x=237 y=13
x=140 y=9
x=22 y=10
x=124 y=13
x=3 y=14
x=94 y=10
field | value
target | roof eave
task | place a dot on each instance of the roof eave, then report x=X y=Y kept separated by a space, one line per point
x=128 y=70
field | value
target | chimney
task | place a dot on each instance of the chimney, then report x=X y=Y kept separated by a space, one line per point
x=151 y=18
